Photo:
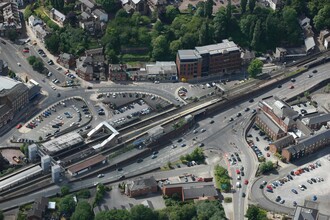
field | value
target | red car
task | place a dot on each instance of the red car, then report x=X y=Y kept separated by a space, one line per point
x=26 y=50
x=18 y=126
x=268 y=155
x=246 y=182
x=269 y=187
x=237 y=171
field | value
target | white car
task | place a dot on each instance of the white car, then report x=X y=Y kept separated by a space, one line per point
x=19 y=64
x=53 y=87
x=96 y=183
x=100 y=175
x=238 y=177
x=203 y=130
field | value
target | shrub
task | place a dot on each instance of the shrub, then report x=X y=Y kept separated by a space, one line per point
x=228 y=200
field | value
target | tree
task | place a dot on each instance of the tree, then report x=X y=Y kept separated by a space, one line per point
x=322 y=19
x=256 y=36
x=67 y=205
x=141 y=212
x=1 y=215
x=119 y=214
x=175 y=46
x=27 y=12
x=40 y=138
x=220 y=25
x=32 y=59
x=293 y=30
x=65 y=190
x=204 y=34
x=210 y=210
x=255 y=213
x=52 y=43
x=208 y=8
x=83 y=211
x=3 y=163
x=109 y=6
x=11 y=74
x=171 y=13
x=84 y=194
x=160 y=48
x=243 y=6
x=252 y=5
x=255 y=68
x=38 y=65
x=12 y=34
x=228 y=10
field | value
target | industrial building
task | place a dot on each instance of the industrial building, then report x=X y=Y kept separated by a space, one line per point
x=62 y=143
x=86 y=165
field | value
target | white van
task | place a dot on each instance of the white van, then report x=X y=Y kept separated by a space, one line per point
x=208 y=85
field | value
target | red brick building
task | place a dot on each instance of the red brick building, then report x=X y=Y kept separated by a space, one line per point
x=215 y=59
x=140 y=186
x=117 y=72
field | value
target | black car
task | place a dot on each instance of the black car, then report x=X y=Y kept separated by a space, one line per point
x=314 y=71
x=3 y=42
x=243 y=195
x=58 y=94
x=122 y=177
x=251 y=100
x=180 y=140
x=279 y=86
x=211 y=122
x=257 y=138
x=139 y=160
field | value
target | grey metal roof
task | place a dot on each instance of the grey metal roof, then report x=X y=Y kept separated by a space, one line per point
x=309 y=43
x=304 y=213
x=63 y=142
x=194 y=192
x=188 y=55
x=218 y=48
x=162 y=67
x=99 y=12
x=89 y=4
x=84 y=15
x=270 y=124
x=317 y=119
x=282 y=141
x=61 y=16
x=7 y=83
x=305 y=143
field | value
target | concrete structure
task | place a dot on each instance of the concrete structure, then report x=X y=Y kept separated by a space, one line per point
x=316 y=122
x=110 y=140
x=141 y=186
x=327 y=42
x=274 y=4
x=9 y=18
x=216 y=59
x=39 y=207
x=62 y=143
x=162 y=71
x=45 y=164
x=305 y=213
x=34 y=88
x=86 y=165
x=14 y=96
x=66 y=60
x=3 y=68
x=33 y=21
x=307 y=146
x=281 y=143
x=40 y=32
x=323 y=35
x=33 y=152
x=56 y=171
x=191 y=191
x=57 y=16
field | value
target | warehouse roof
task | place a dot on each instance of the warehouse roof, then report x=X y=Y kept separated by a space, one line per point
x=87 y=163
x=62 y=142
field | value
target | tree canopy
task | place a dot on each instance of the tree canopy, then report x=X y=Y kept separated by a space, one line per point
x=255 y=68
x=67 y=205
x=83 y=211
x=255 y=213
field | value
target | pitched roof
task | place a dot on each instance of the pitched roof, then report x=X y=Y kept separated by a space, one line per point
x=309 y=43
x=142 y=183
x=61 y=16
x=89 y=4
x=304 y=213
x=317 y=119
x=270 y=124
x=324 y=135
x=193 y=192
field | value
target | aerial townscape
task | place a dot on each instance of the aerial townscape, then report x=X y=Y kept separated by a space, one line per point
x=164 y=109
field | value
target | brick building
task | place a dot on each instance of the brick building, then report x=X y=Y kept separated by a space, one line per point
x=316 y=122
x=281 y=143
x=92 y=66
x=276 y=117
x=215 y=59
x=141 y=186
x=307 y=146
x=118 y=72
x=66 y=60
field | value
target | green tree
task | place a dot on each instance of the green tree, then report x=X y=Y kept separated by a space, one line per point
x=3 y=163
x=1 y=215
x=243 y=6
x=84 y=194
x=32 y=59
x=247 y=24
x=175 y=46
x=118 y=214
x=160 y=48
x=83 y=211
x=11 y=74
x=255 y=43
x=109 y=6
x=204 y=34
x=252 y=5
x=220 y=25
x=52 y=43
x=40 y=138
x=27 y=12
x=293 y=30
x=322 y=19
x=229 y=10
x=65 y=190
x=255 y=68
x=12 y=34
x=171 y=13
x=38 y=65
x=208 y=8
x=141 y=212
x=67 y=205
x=254 y=213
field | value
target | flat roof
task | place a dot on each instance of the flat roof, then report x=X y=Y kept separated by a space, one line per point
x=20 y=176
x=7 y=83
x=62 y=142
x=87 y=163
x=188 y=55
x=225 y=46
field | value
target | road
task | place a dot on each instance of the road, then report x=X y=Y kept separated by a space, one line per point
x=217 y=136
